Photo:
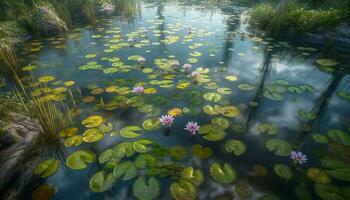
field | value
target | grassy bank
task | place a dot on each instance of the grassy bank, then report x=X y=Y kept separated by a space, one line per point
x=307 y=17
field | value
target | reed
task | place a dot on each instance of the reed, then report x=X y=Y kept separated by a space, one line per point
x=89 y=9
x=64 y=11
x=8 y=56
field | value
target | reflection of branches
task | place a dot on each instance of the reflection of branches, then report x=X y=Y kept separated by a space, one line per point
x=259 y=92
x=320 y=107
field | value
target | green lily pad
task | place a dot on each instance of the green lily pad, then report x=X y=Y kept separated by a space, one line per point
x=221 y=122
x=210 y=110
x=146 y=190
x=318 y=175
x=130 y=132
x=93 y=121
x=320 y=138
x=105 y=156
x=144 y=160
x=80 y=159
x=140 y=146
x=306 y=115
x=92 y=135
x=75 y=140
x=339 y=136
x=47 y=168
x=294 y=89
x=236 y=147
x=178 y=153
x=124 y=149
x=337 y=169
x=194 y=176
x=344 y=94
x=183 y=190
x=274 y=96
x=101 y=181
x=214 y=97
x=246 y=87
x=226 y=174
x=270 y=129
x=283 y=171
x=327 y=62
x=136 y=101
x=151 y=124
x=329 y=192
x=126 y=169
x=212 y=132
x=200 y=152
x=243 y=191
x=280 y=147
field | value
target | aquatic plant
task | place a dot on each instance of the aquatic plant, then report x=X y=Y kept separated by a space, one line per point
x=187 y=67
x=138 y=90
x=298 y=157
x=192 y=127
x=166 y=120
x=89 y=9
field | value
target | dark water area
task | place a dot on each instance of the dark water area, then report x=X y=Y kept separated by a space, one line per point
x=272 y=96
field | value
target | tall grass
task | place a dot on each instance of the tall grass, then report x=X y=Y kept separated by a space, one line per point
x=89 y=9
x=64 y=9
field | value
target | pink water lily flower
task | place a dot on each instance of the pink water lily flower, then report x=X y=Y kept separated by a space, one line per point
x=192 y=127
x=166 y=120
x=187 y=66
x=195 y=74
x=141 y=60
x=298 y=157
x=138 y=90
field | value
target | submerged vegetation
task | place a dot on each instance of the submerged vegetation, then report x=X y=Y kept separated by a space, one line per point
x=300 y=16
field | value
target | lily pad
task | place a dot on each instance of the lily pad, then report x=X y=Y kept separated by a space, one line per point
x=306 y=115
x=236 y=147
x=144 y=160
x=130 y=132
x=327 y=62
x=212 y=132
x=200 y=152
x=146 y=190
x=214 y=97
x=80 y=159
x=225 y=174
x=246 y=87
x=283 y=171
x=280 y=147
x=339 y=136
x=92 y=121
x=141 y=146
x=92 y=135
x=183 y=190
x=196 y=177
x=270 y=129
x=318 y=175
x=75 y=140
x=329 y=192
x=47 y=168
x=178 y=153
x=126 y=169
x=101 y=181
x=243 y=191
x=221 y=122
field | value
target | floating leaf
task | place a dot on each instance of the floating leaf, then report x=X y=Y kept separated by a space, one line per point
x=246 y=86
x=47 y=168
x=236 y=147
x=327 y=62
x=306 y=115
x=178 y=153
x=212 y=132
x=130 y=132
x=283 y=171
x=151 y=124
x=146 y=190
x=318 y=175
x=226 y=174
x=67 y=132
x=125 y=169
x=92 y=135
x=243 y=191
x=337 y=169
x=183 y=190
x=93 y=121
x=344 y=94
x=75 y=140
x=202 y=153
x=140 y=146
x=280 y=147
x=80 y=159
x=194 y=176
x=270 y=129
x=212 y=97
x=101 y=181
x=105 y=156
x=329 y=192
x=320 y=138
x=339 y=136
x=221 y=122
x=143 y=160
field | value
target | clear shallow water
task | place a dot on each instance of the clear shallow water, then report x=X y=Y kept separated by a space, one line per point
x=270 y=82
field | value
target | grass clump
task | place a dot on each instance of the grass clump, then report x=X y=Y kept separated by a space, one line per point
x=298 y=17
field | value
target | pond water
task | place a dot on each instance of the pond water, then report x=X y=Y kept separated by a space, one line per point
x=256 y=99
